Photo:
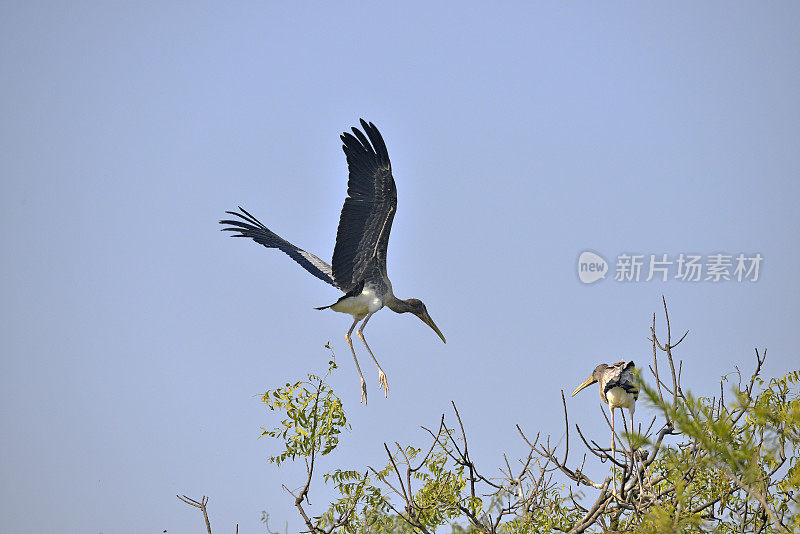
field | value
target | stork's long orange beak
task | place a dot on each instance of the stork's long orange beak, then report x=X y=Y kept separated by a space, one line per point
x=586 y=383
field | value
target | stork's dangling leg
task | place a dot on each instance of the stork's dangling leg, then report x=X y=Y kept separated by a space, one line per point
x=350 y=342
x=381 y=375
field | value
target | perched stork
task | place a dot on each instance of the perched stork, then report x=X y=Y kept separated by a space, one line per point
x=359 y=257
x=617 y=389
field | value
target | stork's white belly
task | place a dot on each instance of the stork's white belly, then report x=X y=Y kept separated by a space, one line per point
x=619 y=398
x=360 y=305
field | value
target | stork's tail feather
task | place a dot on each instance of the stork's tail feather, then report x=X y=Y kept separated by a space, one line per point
x=359 y=287
x=248 y=226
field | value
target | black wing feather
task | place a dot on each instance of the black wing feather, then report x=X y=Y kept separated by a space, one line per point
x=251 y=227
x=366 y=220
x=621 y=375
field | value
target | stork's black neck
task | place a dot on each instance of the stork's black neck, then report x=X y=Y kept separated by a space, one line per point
x=399 y=305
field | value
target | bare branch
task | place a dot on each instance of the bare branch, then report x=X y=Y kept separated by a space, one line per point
x=201 y=504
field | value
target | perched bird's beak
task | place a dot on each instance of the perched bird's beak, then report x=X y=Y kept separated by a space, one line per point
x=426 y=318
x=586 y=383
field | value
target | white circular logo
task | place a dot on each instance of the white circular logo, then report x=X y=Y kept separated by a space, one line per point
x=591 y=267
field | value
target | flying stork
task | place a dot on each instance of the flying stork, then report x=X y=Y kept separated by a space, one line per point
x=358 y=267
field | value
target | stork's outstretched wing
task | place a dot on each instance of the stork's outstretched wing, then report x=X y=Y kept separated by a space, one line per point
x=366 y=219
x=251 y=227
x=622 y=375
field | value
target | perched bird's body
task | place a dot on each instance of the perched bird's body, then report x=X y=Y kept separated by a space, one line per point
x=617 y=389
x=618 y=397
x=617 y=385
x=358 y=267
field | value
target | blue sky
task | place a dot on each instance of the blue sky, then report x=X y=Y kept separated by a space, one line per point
x=136 y=337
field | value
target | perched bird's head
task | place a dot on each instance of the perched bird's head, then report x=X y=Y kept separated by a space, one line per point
x=417 y=307
x=593 y=378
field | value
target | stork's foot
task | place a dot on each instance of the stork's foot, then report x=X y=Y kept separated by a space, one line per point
x=363 y=392
x=382 y=383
